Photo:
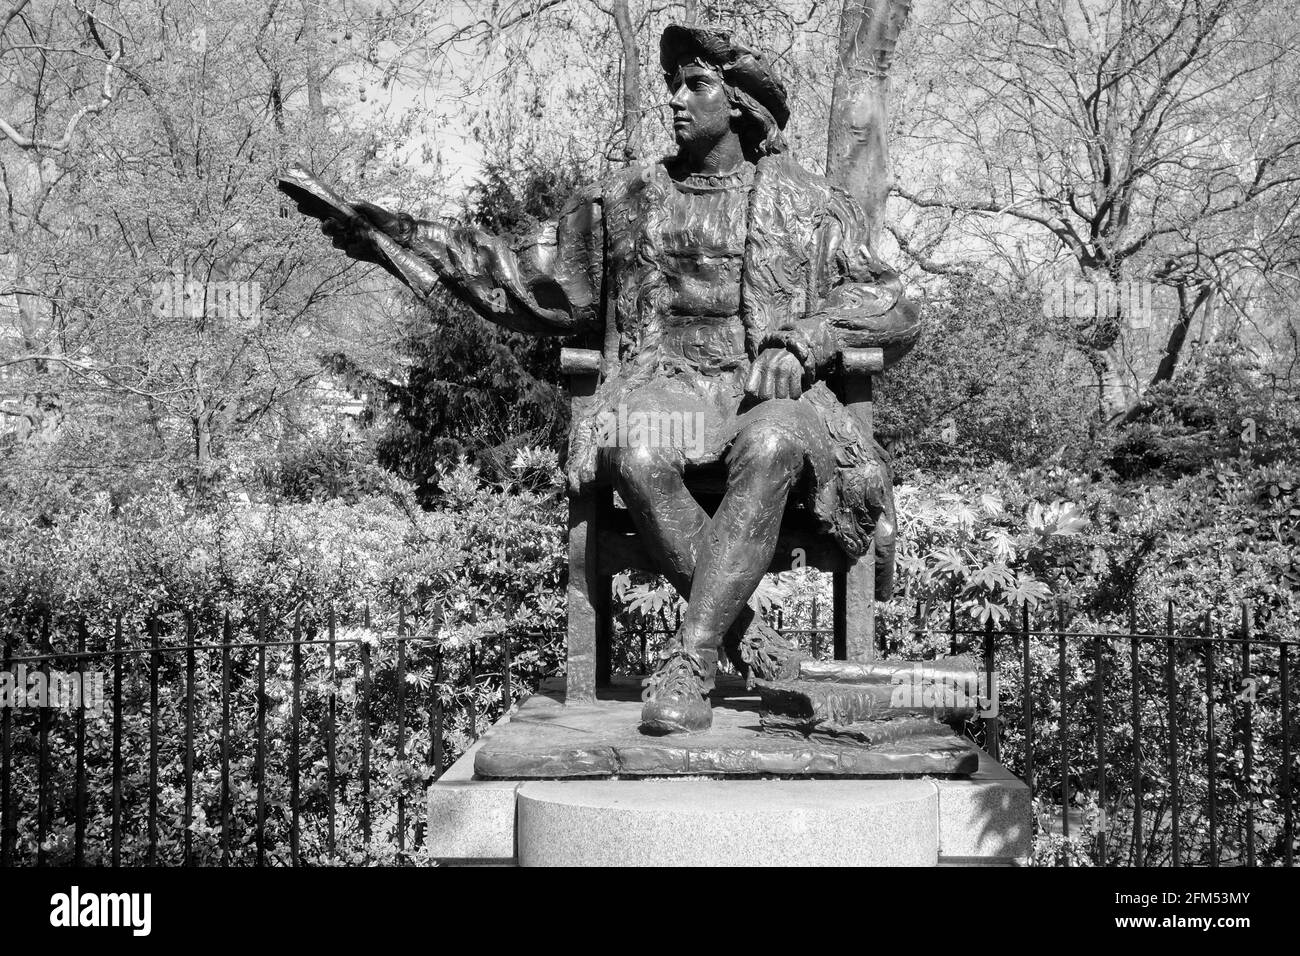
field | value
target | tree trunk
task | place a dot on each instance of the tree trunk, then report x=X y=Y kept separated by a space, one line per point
x=857 y=151
x=1173 y=348
x=631 y=80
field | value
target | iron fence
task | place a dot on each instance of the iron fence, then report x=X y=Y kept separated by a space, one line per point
x=221 y=718
x=1176 y=742
x=1132 y=748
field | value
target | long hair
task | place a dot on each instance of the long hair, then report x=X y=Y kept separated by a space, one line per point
x=760 y=134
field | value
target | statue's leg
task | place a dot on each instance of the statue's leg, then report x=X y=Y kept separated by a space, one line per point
x=765 y=462
x=668 y=518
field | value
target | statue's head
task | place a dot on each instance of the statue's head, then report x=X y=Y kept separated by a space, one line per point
x=720 y=85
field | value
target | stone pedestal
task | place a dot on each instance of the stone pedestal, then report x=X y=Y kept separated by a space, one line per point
x=979 y=818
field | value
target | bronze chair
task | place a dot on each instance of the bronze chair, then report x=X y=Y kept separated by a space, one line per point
x=603 y=542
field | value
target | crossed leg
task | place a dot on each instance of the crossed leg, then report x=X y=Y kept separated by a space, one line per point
x=766 y=461
x=716 y=564
x=666 y=515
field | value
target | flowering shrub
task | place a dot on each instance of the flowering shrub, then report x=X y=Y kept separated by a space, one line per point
x=478 y=583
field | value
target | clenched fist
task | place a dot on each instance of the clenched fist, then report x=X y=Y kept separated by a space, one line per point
x=356 y=242
x=777 y=373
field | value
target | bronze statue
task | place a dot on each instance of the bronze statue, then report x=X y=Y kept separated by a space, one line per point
x=722 y=282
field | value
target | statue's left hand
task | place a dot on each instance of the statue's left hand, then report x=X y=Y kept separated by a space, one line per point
x=777 y=373
x=399 y=225
x=355 y=241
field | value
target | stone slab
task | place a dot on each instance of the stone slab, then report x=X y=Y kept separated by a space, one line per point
x=547 y=739
x=986 y=817
x=981 y=821
x=472 y=820
x=728 y=823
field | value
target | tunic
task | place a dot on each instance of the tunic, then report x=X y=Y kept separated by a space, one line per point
x=683 y=282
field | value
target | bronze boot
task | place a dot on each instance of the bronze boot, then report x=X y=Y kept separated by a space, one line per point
x=676 y=696
x=758 y=651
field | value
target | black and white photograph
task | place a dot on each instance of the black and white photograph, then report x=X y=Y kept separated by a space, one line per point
x=440 y=438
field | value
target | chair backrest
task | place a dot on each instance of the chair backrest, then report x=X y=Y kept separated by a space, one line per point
x=856 y=368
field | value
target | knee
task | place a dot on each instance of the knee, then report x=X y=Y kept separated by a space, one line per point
x=639 y=466
x=769 y=443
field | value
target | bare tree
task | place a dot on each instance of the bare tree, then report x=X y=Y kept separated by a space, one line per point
x=857 y=154
x=629 y=75
x=1135 y=138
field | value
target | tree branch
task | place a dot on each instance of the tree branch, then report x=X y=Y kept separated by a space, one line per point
x=105 y=97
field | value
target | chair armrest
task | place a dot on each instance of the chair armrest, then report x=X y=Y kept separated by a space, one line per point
x=857 y=362
x=857 y=366
x=580 y=361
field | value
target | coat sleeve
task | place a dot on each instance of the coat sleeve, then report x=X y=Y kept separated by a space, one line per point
x=548 y=284
x=858 y=301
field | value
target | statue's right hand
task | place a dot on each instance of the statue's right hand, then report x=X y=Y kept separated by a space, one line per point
x=355 y=242
x=399 y=225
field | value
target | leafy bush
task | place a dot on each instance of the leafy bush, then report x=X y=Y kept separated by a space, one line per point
x=472 y=586
x=1218 y=408
x=992 y=379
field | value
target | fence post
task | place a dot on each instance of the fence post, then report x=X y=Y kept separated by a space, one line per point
x=226 y=640
x=261 y=736
x=1248 y=741
x=117 y=742
x=295 y=730
x=401 y=729
x=330 y=716
x=919 y=629
x=990 y=723
x=79 y=841
x=1065 y=729
x=8 y=825
x=1171 y=700
x=365 y=730
x=473 y=705
x=1287 y=795
x=1135 y=713
x=155 y=660
x=189 y=738
x=1212 y=775
x=1099 y=711
x=43 y=813
x=952 y=626
x=506 y=694
x=436 y=739
x=1026 y=686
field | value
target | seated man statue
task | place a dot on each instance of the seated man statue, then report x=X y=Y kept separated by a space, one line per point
x=723 y=282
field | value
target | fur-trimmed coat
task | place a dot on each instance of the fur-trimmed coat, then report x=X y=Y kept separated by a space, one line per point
x=807 y=274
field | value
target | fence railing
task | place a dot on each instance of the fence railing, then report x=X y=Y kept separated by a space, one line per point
x=1167 y=735
x=263 y=740
x=1164 y=769
x=287 y=739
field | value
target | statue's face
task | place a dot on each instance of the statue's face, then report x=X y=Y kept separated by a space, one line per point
x=701 y=114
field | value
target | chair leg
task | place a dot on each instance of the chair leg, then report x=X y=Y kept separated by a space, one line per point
x=839 y=614
x=856 y=601
x=602 y=606
x=583 y=615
